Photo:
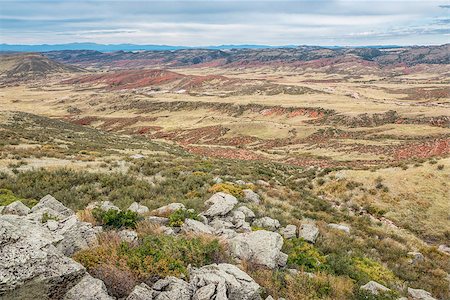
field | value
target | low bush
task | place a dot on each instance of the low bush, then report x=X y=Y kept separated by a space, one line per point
x=155 y=256
x=116 y=219
x=227 y=188
x=176 y=219
x=7 y=197
x=302 y=254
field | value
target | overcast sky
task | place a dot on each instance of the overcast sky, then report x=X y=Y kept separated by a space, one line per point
x=214 y=22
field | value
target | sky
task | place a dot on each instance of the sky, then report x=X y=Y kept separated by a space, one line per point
x=218 y=22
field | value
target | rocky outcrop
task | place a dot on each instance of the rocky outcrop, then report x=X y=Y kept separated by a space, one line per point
x=220 y=204
x=289 y=232
x=88 y=288
x=223 y=281
x=196 y=227
x=137 y=208
x=172 y=288
x=251 y=196
x=374 y=288
x=16 y=208
x=77 y=235
x=38 y=267
x=248 y=213
x=129 y=236
x=309 y=232
x=266 y=223
x=262 y=247
x=103 y=205
x=50 y=203
x=418 y=294
x=340 y=227
x=141 y=292
x=168 y=209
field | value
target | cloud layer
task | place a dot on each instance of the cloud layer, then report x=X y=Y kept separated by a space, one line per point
x=215 y=22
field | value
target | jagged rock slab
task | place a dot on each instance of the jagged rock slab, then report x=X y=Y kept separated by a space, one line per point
x=50 y=202
x=220 y=204
x=88 y=288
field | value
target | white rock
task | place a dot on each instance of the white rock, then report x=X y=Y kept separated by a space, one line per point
x=262 y=183
x=340 y=227
x=77 y=235
x=137 y=156
x=374 y=287
x=205 y=293
x=262 y=247
x=240 y=182
x=88 y=288
x=193 y=226
x=416 y=256
x=172 y=288
x=418 y=294
x=251 y=196
x=249 y=214
x=52 y=225
x=103 y=205
x=167 y=230
x=309 y=232
x=129 y=236
x=267 y=223
x=16 y=208
x=168 y=209
x=27 y=254
x=230 y=282
x=50 y=202
x=141 y=292
x=157 y=220
x=217 y=179
x=140 y=209
x=444 y=248
x=220 y=204
x=289 y=232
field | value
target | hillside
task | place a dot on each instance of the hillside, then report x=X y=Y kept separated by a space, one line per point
x=31 y=66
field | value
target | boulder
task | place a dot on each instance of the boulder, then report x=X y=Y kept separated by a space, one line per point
x=262 y=247
x=230 y=282
x=28 y=256
x=249 y=214
x=137 y=156
x=166 y=230
x=141 y=292
x=193 y=226
x=157 y=220
x=16 y=208
x=218 y=224
x=129 y=236
x=220 y=204
x=266 y=223
x=416 y=257
x=444 y=248
x=251 y=196
x=217 y=179
x=77 y=235
x=88 y=288
x=45 y=212
x=309 y=232
x=103 y=205
x=168 y=209
x=171 y=288
x=205 y=293
x=240 y=182
x=50 y=202
x=52 y=225
x=418 y=294
x=140 y=209
x=262 y=183
x=374 y=288
x=289 y=232
x=340 y=227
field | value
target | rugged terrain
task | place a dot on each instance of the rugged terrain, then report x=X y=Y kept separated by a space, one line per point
x=170 y=168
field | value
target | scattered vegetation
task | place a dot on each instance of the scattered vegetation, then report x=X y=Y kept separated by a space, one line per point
x=116 y=219
x=176 y=219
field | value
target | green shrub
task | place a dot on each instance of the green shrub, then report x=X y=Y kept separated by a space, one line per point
x=7 y=197
x=156 y=256
x=227 y=188
x=116 y=219
x=369 y=269
x=176 y=219
x=302 y=254
x=46 y=216
x=366 y=295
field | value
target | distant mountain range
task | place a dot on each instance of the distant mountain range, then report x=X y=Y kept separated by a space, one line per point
x=133 y=47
